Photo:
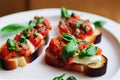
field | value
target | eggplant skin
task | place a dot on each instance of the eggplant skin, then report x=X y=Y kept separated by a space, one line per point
x=98 y=39
x=94 y=72
x=35 y=55
x=46 y=39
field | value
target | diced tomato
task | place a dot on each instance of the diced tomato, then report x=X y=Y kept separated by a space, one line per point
x=25 y=50
x=36 y=41
x=89 y=33
x=55 y=47
x=76 y=17
x=47 y=23
x=17 y=37
x=62 y=29
x=99 y=51
x=81 y=36
x=7 y=54
x=42 y=30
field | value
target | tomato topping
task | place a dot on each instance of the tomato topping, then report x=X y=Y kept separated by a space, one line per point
x=36 y=41
x=47 y=23
x=7 y=54
x=75 y=16
x=25 y=50
x=62 y=29
x=80 y=30
x=42 y=30
x=99 y=51
x=56 y=45
x=81 y=36
x=17 y=37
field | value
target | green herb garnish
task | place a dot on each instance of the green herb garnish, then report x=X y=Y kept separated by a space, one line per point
x=61 y=22
x=35 y=34
x=59 y=77
x=23 y=39
x=68 y=37
x=99 y=23
x=69 y=49
x=40 y=20
x=64 y=13
x=11 y=44
x=88 y=51
x=11 y=29
x=72 y=14
x=79 y=24
x=79 y=40
x=71 y=78
x=86 y=28
x=31 y=24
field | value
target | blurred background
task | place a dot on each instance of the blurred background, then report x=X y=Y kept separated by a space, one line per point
x=106 y=8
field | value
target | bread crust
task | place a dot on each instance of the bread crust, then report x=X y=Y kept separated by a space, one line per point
x=96 y=37
x=56 y=62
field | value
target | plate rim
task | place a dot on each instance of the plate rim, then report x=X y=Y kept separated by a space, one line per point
x=57 y=9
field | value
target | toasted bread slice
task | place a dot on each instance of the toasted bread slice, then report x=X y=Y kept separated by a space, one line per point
x=95 y=69
x=9 y=64
x=52 y=59
x=20 y=61
x=96 y=37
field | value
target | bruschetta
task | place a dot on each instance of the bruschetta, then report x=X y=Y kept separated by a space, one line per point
x=80 y=28
x=26 y=46
x=76 y=55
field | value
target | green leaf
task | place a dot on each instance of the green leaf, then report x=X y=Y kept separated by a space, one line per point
x=40 y=20
x=72 y=14
x=71 y=78
x=88 y=51
x=11 y=44
x=79 y=40
x=60 y=77
x=64 y=13
x=32 y=23
x=99 y=23
x=86 y=28
x=11 y=29
x=68 y=37
x=23 y=39
x=79 y=24
x=69 y=49
x=35 y=34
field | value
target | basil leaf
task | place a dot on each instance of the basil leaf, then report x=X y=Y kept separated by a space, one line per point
x=69 y=49
x=60 y=77
x=32 y=24
x=71 y=78
x=79 y=24
x=11 y=29
x=40 y=20
x=68 y=37
x=72 y=14
x=79 y=40
x=86 y=28
x=11 y=44
x=88 y=51
x=23 y=39
x=99 y=23
x=64 y=13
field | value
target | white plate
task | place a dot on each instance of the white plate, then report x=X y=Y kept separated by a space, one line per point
x=39 y=70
